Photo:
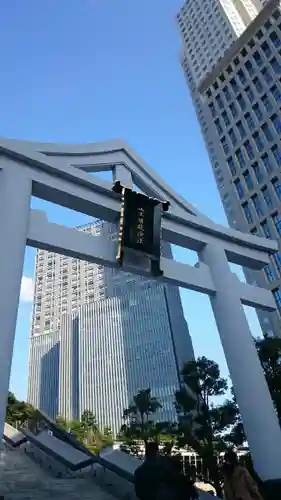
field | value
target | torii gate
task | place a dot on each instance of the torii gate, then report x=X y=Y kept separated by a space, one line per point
x=58 y=173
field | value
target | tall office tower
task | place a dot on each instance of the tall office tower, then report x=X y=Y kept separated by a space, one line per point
x=209 y=27
x=237 y=104
x=99 y=335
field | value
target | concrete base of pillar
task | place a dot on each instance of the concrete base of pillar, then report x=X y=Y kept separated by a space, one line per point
x=271 y=490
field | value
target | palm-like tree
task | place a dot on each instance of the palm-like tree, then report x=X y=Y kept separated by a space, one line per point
x=138 y=414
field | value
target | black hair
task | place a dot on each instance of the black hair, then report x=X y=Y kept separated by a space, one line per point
x=231 y=457
x=151 y=449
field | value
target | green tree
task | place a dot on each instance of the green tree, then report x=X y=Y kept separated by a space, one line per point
x=76 y=428
x=106 y=437
x=269 y=351
x=137 y=416
x=107 y=432
x=235 y=434
x=201 y=423
x=61 y=421
x=17 y=412
x=90 y=426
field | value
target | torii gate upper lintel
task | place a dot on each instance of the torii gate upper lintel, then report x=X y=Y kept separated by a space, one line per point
x=47 y=171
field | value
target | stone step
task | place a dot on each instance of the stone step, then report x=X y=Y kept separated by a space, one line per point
x=22 y=479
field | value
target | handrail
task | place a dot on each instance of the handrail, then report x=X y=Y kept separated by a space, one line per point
x=65 y=436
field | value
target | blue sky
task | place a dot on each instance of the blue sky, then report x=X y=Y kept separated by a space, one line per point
x=88 y=70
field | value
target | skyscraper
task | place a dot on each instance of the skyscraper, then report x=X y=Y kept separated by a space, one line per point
x=237 y=101
x=99 y=335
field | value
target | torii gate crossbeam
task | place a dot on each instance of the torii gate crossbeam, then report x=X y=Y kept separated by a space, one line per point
x=47 y=171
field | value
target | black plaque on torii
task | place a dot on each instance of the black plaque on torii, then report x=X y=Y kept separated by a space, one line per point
x=140 y=226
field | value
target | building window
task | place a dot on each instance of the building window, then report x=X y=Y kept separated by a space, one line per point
x=249 y=67
x=270 y=273
x=257 y=171
x=219 y=102
x=241 y=76
x=220 y=177
x=277 y=260
x=229 y=70
x=232 y=166
x=257 y=58
x=233 y=110
x=241 y=101
x=212 y=109
x=258 y=141
x=257 y=84
x=267 y=25
x=225 y=118
x=250 y=94
x=267 y=132
x=276 y=120
x=233 y=137
x=277 y=187
x=251 y=43
x=266 y=49
x=276 y=66
x=250 y=121
x=276 y=153
x=218 y=126
x=266 y=196
x=249 y=150
x=247 y=213
x=267 y=163
x=226 y=93
x=266 y=229
x=248 y=180
x=257 y=205
x=239 y=188
x=276 y=93
x=267 y=102
x=276 y=15
x=277 y=223
x=267 y=75
x=275 y=39
x=258 y=112
x=240 y=158
x=241 y=129
x=277 y=296
x=225 y=145
x=234 y=85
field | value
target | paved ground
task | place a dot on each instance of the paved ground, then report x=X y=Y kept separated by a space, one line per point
x=22 y=479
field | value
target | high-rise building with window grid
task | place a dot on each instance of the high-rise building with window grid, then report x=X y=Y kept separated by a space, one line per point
x=99 y=335
x=237 y=98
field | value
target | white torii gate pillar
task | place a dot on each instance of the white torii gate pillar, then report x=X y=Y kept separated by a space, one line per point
x=251 y=390
x=15 y=197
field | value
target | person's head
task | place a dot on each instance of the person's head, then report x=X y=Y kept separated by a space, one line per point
x=151 y=449
x=230 y=461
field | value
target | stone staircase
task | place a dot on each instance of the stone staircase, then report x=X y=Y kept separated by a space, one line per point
x=22 y=479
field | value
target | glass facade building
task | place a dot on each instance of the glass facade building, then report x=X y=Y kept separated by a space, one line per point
x=102 y=334
x=238 y=106
x=111 y=349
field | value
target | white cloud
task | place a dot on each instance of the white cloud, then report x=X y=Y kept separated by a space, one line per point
x=27 y=289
